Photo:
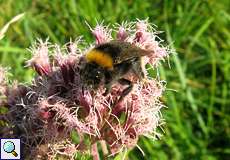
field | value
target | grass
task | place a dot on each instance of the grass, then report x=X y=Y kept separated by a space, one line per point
x=198 y=113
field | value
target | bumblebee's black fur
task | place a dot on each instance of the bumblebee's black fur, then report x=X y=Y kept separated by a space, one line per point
x=126 y=58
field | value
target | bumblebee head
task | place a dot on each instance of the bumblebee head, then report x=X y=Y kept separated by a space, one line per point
x=92 y=75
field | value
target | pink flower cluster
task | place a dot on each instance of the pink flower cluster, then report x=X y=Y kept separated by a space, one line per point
x=45 y=113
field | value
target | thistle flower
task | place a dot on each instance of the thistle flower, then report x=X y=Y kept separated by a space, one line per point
x=40 y=60
x=101 y=33
x=57 y=103
x=123 y=31
x=146 y=38
x=2 y=80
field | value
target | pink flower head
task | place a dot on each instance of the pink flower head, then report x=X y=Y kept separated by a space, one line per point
x=101 y=33
x=146 y=37
x=2 y=75
x=58 y=102
x=40 y=59
x=2 y=80
x=123 y=31
x=66 y=63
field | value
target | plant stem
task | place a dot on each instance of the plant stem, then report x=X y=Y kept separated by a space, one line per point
x=94 y=152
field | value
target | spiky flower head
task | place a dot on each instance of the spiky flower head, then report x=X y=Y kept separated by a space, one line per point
x=57 y=104
x=2 y=79
x=40 y=60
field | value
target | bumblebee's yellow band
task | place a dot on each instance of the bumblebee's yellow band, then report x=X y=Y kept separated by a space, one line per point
x=101 y=58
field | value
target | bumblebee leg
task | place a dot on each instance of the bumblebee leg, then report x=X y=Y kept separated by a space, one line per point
x=108 y=83
x=127 y=90
x=107 y=89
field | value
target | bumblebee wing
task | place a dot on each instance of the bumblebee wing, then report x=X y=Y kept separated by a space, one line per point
x=124 y=57
x=129 y=54
x=121 y=51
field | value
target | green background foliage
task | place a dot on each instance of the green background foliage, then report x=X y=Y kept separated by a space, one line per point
x=198 y=82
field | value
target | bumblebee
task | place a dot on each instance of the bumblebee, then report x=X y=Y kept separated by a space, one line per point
x=107 y=64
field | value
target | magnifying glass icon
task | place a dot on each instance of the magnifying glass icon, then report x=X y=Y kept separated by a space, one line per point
x=9 y=147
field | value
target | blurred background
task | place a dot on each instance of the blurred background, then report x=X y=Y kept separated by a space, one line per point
x=198 y=81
